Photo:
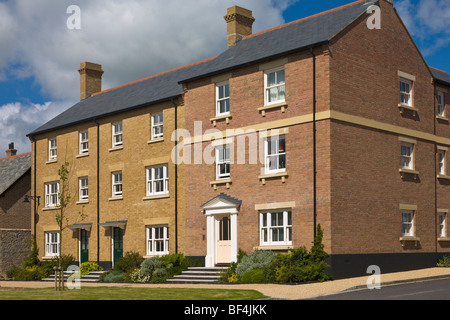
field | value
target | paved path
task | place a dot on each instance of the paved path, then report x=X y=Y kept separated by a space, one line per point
x=301 y=291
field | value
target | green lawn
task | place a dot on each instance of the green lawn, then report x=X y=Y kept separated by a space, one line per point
x=117 y=293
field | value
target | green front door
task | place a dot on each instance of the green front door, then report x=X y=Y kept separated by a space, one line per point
x=117 y=244
x=84 y=246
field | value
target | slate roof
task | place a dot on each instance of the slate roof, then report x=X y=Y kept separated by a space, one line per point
x=441 y=76
x=253 y=49
x=12 y=169
x=291 y=37
x=151 y=90
x=256 y=48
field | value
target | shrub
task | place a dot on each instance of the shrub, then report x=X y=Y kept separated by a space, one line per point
x=66 y=261
x=444 y=262
x=86 y=267
x=129 y=262
x=159 y=269
x=33 y=273
x=258 y=259
x=254 y=276
x=137 y=276
x=113 y=276
x=31 y=259
x=298 y=265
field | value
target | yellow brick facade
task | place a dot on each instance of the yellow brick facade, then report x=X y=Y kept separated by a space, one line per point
x=139 y=210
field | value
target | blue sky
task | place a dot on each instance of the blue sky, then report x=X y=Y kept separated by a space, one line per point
x=132 y=39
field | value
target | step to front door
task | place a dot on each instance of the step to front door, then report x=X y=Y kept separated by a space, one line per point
x=198 y=275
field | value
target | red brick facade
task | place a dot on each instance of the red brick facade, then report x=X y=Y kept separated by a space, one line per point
x=360 y=191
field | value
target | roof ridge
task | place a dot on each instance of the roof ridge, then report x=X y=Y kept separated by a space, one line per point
x=438 y=69
x=154 y=76
x=17 y=155
x=305 y=18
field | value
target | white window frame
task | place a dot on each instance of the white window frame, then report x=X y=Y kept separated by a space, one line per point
x=223 y=162
x=441 y=162
x=117 y=183
x=52 y=194
x=406 y=93
x=52 y=241
x=83 y=188
x=267 y=88
x=152 y=181
x=157 y=240
x=84 y=142
x=117 y=134
x=225 y=98
x=440 y=104
x=442 y=225
x=274 y=140
x=403 y=155
x=157 y=125
x=408 y=217
x=267 y=229
x=52 y=149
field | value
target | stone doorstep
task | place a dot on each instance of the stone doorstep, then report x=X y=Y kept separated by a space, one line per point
x=198 y=275
x=93 y=276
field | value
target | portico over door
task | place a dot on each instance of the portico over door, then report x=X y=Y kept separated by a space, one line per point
x=221 y=229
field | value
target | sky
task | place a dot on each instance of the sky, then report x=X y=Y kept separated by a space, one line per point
x=40 y=51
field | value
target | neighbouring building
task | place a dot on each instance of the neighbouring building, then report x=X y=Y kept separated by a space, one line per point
x=324 y=120
x=15 y=219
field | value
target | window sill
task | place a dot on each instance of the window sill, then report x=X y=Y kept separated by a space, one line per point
x=281 y=175
x=158 y=196
x=82 y=202
x=51 y=161
x=283 y=105
x=156 y=255
x=408 y=171
x=50 y=257
x=443 y=239
x=116 y=148
x=115 y=198
x=161 y=139
x=215 y=183
x=405 y=239
x=50 y=208
x=443 y=176
x=225 y=117
x=274 y=247
x=82 y=155
x=442 y=118
x=403 y=107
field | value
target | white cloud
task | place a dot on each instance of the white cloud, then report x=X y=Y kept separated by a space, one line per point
x=132 y=39
x=18 y=119
x=428 y=21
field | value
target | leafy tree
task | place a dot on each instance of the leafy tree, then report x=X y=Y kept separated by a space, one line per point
x=61 y=217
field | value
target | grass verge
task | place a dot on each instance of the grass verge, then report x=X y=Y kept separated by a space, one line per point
x=116 y=293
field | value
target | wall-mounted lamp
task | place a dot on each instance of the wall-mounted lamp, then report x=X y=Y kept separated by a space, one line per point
x=27 y=199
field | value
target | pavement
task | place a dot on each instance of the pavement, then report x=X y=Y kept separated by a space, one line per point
x=275 y=291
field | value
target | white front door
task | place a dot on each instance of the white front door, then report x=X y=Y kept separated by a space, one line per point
x=223 y=233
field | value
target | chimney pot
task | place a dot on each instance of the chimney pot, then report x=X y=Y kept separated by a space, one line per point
x=239 y=24
x=11 y=151
x=90 y=79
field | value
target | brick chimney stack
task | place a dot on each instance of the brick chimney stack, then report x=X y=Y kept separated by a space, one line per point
x=11 y=151
x=90 y=79
x=239 y=24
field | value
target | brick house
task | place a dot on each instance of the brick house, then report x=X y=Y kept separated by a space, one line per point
x=320 y=121
x=15 y=222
